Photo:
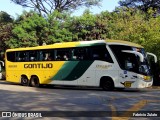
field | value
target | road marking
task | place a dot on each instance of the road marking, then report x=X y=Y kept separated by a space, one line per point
x=152 y=101
x=114 y=113
x=135 y=107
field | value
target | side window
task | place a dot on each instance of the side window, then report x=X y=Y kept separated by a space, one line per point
x=101 y=53
x=81 y=53
x=126 y=61
x=49 y=55
x=21 y=56
x=11 y=56
x=63 y=54
x=46 y=55
x=32 y=55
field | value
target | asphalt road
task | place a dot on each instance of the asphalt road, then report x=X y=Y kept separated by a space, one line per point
x=117 y=105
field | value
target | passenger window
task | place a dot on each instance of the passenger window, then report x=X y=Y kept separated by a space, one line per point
x=21 y=56
x=46 y=55
x=63 y=54
x=32 y=55
x=101 y=53
x=11 y=56
x=80 y=54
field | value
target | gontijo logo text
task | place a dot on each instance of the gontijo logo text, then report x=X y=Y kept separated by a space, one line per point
x=39 y=65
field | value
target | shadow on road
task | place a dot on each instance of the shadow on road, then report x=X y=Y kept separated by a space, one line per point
x=59 y=98
x=81 y=88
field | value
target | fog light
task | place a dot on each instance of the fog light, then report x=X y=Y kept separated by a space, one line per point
x=146 y=77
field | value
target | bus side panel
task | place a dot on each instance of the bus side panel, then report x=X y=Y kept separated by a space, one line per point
x=47 y=76
x=46 y=72
x=73 y=73
x=12 y=76
x=106 y=69
x=13 y=71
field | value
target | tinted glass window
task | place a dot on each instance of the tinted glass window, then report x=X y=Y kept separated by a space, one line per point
x=33 y=55
x=22 y=56
x=101 y=53
x=127 y=61
x=81 y=53
x=63 y=54
x=11 y=56
x=46 y=55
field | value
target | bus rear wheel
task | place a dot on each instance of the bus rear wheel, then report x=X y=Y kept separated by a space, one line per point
x=34 y=81
x=24 y=80
x=107 y=84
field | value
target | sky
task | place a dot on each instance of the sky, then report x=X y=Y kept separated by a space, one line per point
x=15 y=10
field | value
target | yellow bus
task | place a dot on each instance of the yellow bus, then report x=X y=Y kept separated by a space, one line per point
x=101 y=63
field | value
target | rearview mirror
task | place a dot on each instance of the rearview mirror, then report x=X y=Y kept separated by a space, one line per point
x=136 y=53
x=0 y=68
x=1 y=65
x=151 y=54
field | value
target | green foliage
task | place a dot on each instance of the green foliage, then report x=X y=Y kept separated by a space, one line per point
x=136 y=26
x=83 y=27
x=89 y=26
x=31 y=29
x=6 y=24
x=5 y=17
x=59 y=24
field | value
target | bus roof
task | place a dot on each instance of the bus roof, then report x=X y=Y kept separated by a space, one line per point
x=78 y=44
x=121 y=42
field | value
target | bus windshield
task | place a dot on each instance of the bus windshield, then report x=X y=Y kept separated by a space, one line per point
x=131 y=62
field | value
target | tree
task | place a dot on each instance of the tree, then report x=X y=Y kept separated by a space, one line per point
x=6 y=26
x=29 y=30
x=48 y=6
x=143 y=5
x=59 y=27
x=83 y=26
x=89 y=26
x=5 y=17
x=132 y=25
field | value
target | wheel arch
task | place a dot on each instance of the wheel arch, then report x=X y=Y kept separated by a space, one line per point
x=103 y=78
x=24 y=75
x=34 y=76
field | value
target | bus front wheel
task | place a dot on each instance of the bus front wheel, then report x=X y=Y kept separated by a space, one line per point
x=107 y=84
x=24 y=80
x=34 y=81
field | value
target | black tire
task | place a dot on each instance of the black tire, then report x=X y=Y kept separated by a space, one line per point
x=24 y=81
x=107 y=85
x=34 y=81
